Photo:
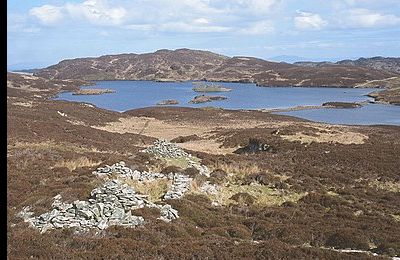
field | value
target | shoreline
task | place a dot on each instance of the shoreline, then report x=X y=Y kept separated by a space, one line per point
x=370 y=94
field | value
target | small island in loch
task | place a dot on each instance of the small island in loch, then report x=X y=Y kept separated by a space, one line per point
x=204 y=98
x=341 y=105
x=93 y=91
x=168 y=102
x=199 y=87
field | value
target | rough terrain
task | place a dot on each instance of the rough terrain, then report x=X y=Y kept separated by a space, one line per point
x=186 y=64
x=235 y=185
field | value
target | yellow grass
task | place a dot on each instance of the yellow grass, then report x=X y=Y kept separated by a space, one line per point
x=62 y=146
x=330 y=137
x=76 y=163
x=182 y=162
x=264 y=195
x=237 y=171
x=154 y=189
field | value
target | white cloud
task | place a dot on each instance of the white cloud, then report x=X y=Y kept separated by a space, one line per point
x=190 y=27
x=97 y=12
x=47 y=14
x=201 y=21
x=256 y=7
x=366 y=18
x=199 y=25
x=261 y=6
x=309 y=21
x=140 y=27
x=261 y=27
x=194 y=16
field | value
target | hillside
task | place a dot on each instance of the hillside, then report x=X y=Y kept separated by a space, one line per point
x=248 y=190
x=185 y=64
x=379 y=63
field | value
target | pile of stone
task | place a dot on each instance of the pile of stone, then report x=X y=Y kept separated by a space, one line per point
x=203 y=170
x=110 y=204
x=123 y=171
x=208 y=188
x=117 y=168
x=181 y=184
x=168 y=213
x=165 y=149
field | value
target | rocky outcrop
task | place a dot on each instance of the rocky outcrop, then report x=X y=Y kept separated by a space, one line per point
x=255 y=146
x=185 y=64
x=381 y=63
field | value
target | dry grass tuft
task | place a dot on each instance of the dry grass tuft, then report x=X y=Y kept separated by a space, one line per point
x=237 y=171
x=154 y=189
x=77 y=163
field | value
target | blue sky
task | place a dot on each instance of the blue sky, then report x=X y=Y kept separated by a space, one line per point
x=41 y=33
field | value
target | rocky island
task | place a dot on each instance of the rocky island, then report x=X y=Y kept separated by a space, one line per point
x=204 y=99
x=168 y=102
x=93 y=91
x=341 y=105
x=209 y=88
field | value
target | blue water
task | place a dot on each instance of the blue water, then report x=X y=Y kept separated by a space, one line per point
x=139 y=94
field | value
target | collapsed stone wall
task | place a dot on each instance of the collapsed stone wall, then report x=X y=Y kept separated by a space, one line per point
x=110 y=204
x=113 y=202
x=164 y=149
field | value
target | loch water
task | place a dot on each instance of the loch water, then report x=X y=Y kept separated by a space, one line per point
x=138 y=94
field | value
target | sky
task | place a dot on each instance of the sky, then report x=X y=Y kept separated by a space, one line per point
x=41 y=33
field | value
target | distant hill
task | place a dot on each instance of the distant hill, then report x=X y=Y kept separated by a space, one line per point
x=186 y=64
x=379 y=63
